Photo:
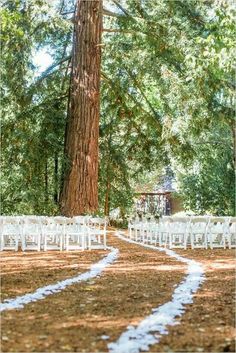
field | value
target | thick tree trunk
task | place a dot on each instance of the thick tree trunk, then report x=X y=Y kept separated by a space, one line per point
x=80 y=188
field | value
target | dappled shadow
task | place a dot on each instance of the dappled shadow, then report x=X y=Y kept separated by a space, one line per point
x=14 y=263
x=77 y=317
x=34 y=270
x=128 y=290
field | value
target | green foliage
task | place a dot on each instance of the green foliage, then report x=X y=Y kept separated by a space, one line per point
x=167 y=99
x=33 y=110
x=208 y=185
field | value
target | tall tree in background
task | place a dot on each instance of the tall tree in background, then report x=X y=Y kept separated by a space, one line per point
x=80 y=188
x=167 y=99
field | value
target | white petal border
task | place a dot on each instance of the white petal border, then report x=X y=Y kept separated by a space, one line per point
x=149 y=330
x=41 y=293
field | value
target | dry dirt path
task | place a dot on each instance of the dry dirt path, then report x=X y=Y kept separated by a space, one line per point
x=78 y=318
x=24 y=272
x=208 y=324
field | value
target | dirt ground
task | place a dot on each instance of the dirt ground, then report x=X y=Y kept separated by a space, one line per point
x=76 y=319
x=24 y=272
x=208 y=324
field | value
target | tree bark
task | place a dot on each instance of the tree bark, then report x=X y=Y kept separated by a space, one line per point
x=80 y=187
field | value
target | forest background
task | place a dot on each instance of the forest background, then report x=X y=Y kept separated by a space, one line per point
x=167 y=102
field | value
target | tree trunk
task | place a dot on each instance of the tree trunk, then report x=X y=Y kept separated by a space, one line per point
x=80 y=187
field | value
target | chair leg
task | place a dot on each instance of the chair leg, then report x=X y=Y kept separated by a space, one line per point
x=61 y=242
x=170 y=240
x=160 y=239
x=192 y=241
x=105 y=241
x=229 y=241
x=1 y=242
x=206 y=242
x=45 y=242
x=210 y=240
x=166 y=240
x=224 y=241
x=185 y=241
x=83 y=241
x=23 y=242
x=142 y=236
x=89 y=242
x=16 y=242
x=67 y=242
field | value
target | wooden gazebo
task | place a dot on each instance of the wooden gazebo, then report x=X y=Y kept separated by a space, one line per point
x=154 y=203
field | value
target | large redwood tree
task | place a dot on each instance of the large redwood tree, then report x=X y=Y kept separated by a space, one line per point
x=80 y=186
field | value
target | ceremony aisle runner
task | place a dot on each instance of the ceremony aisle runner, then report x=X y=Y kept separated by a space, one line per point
x=95 y=270
x=150 y=330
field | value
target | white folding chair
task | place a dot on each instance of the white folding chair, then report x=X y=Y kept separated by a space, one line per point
x=97 y=233
x=198 y=232
x=178 y=232
x=152 y=231
x=134 y=228
x=231 y=233
x=31 y=233
x=11 y=233
x=76 y=233
x=53 y=233
x=216 y=232
x=130 y=227
x=144 y=230
x=164 y=224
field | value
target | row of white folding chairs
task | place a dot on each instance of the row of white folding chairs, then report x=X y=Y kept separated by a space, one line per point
x=52 y=233
x=181 y=232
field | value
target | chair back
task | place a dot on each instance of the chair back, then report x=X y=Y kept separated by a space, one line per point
x=218 y=225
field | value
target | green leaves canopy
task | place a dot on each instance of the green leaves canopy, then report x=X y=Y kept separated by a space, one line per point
x=167 y=100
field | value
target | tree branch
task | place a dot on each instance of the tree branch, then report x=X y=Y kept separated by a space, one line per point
x=117 y=90
x=48 y=71
x=67 y=13
x=142 y=93
x=122 y=8
x=107 y=12
x=111 y=30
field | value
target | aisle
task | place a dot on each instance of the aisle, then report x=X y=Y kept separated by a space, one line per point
x=78 y=318
x=86 y=317
x=208 y=324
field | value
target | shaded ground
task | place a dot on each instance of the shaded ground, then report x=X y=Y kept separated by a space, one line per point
x=209 y=323
x=75 y=319
x=141 y=279
x=24 y=272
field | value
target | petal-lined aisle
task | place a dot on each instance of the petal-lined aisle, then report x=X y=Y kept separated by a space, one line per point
x=41 y=293
x=85 y=317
